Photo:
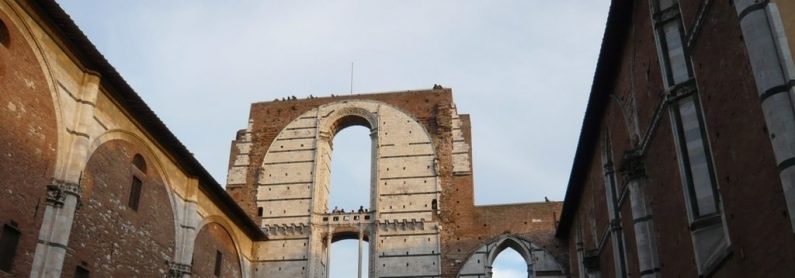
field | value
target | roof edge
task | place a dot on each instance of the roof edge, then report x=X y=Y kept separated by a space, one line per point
x=618 y=20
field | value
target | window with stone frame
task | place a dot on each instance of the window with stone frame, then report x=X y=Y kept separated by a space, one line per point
x=708 y=231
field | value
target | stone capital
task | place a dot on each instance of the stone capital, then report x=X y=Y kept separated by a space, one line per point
x=633 y=165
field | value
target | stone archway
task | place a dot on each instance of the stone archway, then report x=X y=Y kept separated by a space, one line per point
x=539 y=262
x=293 y=186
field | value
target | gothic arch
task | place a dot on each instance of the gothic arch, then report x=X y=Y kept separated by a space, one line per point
x=154 y=161
x=539 y=262
x=297 y=163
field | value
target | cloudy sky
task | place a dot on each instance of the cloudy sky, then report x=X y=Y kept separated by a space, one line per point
x=522 y=69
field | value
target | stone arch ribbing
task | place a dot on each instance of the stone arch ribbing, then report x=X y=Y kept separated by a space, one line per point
x=224 y=223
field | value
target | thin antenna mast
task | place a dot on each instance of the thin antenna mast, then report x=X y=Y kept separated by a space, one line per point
x=351 y=78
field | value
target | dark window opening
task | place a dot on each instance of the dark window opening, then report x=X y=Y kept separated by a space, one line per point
x=218 y=260
x=434 y=205
x=139 y=162
x=82 y=272
x=8 y=247
x=135 y=194
x=4 y=37
x=259 y=211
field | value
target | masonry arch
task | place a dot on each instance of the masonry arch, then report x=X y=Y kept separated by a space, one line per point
x=126 y=222
x=215 y=233
x=293 y=183
x=152 y=159
x=539 y=262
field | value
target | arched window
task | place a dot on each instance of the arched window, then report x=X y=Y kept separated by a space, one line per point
x=139 y=162
x=509 y=263
x=351 y=169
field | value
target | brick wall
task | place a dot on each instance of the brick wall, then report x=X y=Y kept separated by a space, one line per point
x=109 y=236
x=747 y=177
x=28 y=141
x=212 y=239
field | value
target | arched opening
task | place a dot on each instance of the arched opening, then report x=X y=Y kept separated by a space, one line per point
x=343 y=262
x=509 y=264
x=139 y=162
x=351 y=167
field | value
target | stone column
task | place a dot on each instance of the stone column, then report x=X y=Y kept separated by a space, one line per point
x=634 y=171
x=63 y=193
x=771 y=62
x=361 y=245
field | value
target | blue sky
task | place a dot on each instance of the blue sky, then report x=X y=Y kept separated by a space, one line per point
x=522 y=69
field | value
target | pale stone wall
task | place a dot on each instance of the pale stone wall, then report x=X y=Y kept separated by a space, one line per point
x=293 y=185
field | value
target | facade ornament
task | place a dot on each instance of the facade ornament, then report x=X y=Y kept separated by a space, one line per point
x=58 y=190
x=632 y=166
x=178 y=270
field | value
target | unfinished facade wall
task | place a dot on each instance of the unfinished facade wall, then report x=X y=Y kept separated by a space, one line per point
x=421 y=184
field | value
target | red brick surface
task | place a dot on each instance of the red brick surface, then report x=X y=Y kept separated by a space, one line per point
x=28 y=142
x=211 y=239
x=111 y=238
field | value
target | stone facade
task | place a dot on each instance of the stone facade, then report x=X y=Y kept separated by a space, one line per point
x=683 y=166
x=421 y=184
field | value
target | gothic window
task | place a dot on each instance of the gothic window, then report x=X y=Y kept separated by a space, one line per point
x=8 y=247
x=710 y=239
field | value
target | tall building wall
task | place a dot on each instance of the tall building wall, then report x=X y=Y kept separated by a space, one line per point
x=92 y=181
x=675 y=161
x=421 y=184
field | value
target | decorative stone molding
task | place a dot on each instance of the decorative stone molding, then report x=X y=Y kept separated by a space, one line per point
x=403 y=225
x=58 y=190
x=178 y=270
x=286 y=230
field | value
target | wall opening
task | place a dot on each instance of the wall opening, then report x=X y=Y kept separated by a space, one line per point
x=344 y=258
x=508 y=264
x=351 y=169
